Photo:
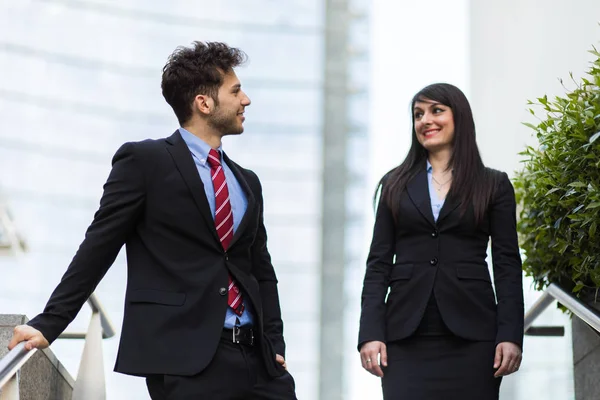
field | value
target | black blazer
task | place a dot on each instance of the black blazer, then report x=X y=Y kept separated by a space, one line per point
x=154 y=202
x=418 y=256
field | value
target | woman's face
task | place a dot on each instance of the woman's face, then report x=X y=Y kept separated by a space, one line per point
x=434 y=125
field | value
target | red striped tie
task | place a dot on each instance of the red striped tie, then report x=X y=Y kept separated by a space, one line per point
x=224 y=223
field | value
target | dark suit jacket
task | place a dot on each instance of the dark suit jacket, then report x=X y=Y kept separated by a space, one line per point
x=175 y=305
x=418 y=256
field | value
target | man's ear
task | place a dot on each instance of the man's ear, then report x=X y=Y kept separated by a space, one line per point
x=204 y=104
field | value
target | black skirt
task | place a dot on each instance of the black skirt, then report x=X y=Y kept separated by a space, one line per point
x=434 y=364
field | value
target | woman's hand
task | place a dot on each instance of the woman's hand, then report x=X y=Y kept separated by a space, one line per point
x=508 y=358
x=373 y=355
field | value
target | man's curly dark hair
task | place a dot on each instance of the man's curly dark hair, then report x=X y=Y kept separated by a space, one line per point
x=195 y=70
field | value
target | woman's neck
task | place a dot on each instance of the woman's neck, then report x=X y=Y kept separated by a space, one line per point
x=440 y=160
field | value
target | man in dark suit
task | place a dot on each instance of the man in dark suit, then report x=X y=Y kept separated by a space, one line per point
x=202 y=317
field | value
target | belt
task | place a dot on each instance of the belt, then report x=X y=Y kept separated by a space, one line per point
x=239 y=335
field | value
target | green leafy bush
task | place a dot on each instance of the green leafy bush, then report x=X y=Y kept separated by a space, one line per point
x=558 y=190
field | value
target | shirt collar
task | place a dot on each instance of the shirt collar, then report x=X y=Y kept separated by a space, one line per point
x=429 y=167
x=198 y=147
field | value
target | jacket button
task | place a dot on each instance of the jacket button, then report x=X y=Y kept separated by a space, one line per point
x=434 y=234
x=433 y=261
x=223 y=291
x=226 y=257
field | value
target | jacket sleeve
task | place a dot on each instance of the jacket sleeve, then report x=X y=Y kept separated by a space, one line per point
x=120 y=206
x=508 y=275
x=264 y=273
x=377 y=277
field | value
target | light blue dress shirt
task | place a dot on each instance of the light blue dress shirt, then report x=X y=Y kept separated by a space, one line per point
x=436 y=203
x=239 y=203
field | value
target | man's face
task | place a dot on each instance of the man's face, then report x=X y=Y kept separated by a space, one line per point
x=228 y=116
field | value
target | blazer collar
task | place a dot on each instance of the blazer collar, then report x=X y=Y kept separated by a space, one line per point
x=450 y=204
x=184 y=162
x=418 y=191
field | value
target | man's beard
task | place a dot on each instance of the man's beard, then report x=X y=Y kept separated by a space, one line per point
x=225 y=123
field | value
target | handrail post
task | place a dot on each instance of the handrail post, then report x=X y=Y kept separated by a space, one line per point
x=10 y=391
x=90 y=382
x=538 y=308
x=107 y=328
x=14 y=242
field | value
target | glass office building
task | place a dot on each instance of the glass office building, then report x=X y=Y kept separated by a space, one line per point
x=79 y=78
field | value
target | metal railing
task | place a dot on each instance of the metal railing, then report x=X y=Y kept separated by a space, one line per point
x=90 y=382
x=11 y=242
x=10 y=367
x=554 y=292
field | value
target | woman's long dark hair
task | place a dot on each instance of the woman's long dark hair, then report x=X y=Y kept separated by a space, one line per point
x=472 y=183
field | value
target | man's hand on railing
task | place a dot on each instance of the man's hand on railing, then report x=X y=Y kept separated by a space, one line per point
x=26 y=333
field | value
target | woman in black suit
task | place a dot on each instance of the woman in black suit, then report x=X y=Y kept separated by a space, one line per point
x=441 y=332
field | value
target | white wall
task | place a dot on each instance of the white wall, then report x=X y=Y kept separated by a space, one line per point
x=413 y=44
x=519 y=51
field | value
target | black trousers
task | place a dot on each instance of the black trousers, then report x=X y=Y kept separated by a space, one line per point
x=236 y=372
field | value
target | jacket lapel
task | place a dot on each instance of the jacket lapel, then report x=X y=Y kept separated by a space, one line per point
x=450 y=204
x=418 y=191
x=249 y=196
x=185 y=164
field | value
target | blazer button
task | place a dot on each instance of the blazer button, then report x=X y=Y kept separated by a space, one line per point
x=433 y=261
x=434 y=234
x=223 y=291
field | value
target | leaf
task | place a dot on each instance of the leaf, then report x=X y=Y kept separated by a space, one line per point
x=578 y=287
x=577 y=184
x=557 y=223
x=558 y=186
x=574 y=217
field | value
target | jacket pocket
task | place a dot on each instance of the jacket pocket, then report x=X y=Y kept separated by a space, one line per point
x=157 y=297
x=401 y=271
x=478 y=273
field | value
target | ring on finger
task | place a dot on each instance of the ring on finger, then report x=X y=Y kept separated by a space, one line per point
x=368 y=360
